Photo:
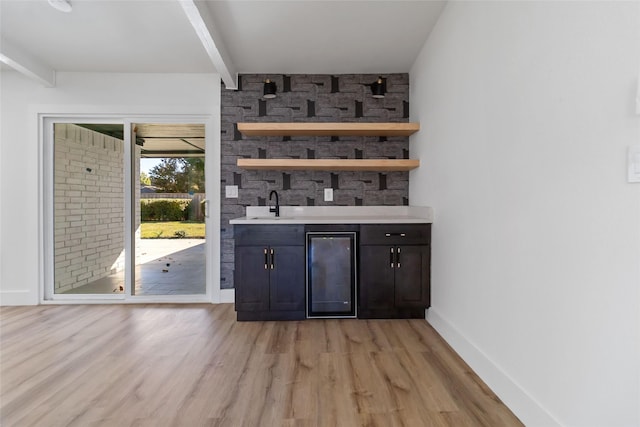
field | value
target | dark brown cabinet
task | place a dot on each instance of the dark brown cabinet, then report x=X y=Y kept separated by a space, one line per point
x=394 y=270
x=269 y=272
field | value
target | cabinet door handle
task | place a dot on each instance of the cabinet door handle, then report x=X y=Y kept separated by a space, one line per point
x=395 y=234
x=398 y=258
x=266 y=259
x=273 y=258
x=391 y=256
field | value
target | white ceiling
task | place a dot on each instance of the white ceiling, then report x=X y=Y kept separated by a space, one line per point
x=323 y=37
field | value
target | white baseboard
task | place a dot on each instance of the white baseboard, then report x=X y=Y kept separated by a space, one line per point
x=523 y=405
x=17 y=298
x=227 y=296
x=8 y=298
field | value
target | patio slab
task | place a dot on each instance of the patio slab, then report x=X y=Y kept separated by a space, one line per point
x=166 y=267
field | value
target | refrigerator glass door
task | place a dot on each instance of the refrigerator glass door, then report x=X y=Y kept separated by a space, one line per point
x=331 y=275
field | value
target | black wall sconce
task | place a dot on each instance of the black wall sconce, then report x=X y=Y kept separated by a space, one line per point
x=379 y=88
x=269 y=89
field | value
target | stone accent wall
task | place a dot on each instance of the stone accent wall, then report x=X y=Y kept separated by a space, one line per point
x=309 y=98
x=88 y=206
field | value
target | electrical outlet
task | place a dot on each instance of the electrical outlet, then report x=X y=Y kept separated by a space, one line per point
x=231 y=191
x=328 y=194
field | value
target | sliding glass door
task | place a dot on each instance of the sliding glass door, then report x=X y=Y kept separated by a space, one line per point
x=170 y=209
x=89 y=209
x=125 y=210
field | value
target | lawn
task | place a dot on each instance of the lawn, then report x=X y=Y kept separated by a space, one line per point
x=172 y=230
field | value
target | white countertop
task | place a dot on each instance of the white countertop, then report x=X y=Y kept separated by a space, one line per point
x=337 y=215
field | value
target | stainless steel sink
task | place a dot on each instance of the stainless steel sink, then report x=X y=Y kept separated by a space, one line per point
x=271 y=218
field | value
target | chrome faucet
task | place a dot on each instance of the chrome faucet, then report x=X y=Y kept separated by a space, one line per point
x=275 y=208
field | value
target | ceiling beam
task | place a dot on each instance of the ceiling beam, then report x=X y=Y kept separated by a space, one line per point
x=27 y=64
x=204 y=26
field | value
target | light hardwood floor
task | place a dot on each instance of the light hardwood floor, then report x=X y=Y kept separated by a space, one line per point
x=194 y=365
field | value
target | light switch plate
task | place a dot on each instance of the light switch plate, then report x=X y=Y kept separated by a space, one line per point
x=328 y=194
x=633 y=163
x=231 y=191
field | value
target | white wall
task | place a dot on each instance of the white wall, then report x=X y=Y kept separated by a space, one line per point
x=526 y=111
x=82 y=93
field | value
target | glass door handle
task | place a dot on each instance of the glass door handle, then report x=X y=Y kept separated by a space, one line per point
x=205 y=205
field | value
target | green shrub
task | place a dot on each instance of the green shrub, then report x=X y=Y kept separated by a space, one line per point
x=164 y=209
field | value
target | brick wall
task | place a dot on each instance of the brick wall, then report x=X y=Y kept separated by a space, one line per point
x=309 y=98
x=88 y=206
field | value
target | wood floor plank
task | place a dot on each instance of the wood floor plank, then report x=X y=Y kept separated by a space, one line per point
x=403 y=391
x=301 y=402
x=368 y=386
x=195 y=365
x=336 y=403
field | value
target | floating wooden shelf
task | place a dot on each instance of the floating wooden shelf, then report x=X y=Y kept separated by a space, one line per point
x=328 y=129
x=382 y=165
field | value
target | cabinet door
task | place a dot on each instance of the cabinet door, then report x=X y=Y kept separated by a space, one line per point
x=251 y=279
x=287 y=278
x=376 y=278
x=412 y=276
